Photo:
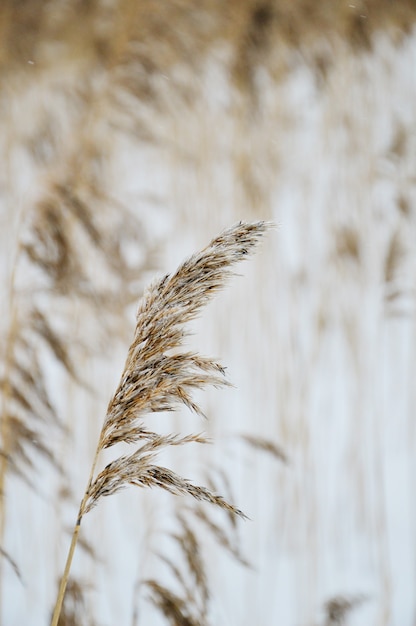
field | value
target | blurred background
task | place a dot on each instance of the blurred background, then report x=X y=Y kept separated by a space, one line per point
x=133 y=132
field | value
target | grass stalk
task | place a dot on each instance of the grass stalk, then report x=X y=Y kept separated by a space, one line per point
x=74 y=540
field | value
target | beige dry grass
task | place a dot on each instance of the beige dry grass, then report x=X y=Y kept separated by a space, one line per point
x=189 y=605
x=98 y=44
x=56 y=237
x=98 y=32
x=74 y=610
x=158 y=376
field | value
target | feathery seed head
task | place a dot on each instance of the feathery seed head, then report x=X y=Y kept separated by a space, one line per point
x=158 y=376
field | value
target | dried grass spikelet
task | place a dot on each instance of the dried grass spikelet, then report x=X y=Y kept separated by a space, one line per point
x=158 y=376
x=72 y=222
x=74 y=610
x=348 y=246
x=396 y=266
x=50 y=243
x=189 y=604
x=27 y=411
x=173 y=607
x=394 y=258
x=64 y=223
x=225 y=537
x=338 y=608
x=188 y=600
x=12 y=563
x=265 y=445
x=225 y=533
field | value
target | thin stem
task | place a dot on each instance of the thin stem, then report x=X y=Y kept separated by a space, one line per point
x=64 y=580
x=6 y=395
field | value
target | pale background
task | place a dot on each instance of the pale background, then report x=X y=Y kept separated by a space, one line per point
x=318 y=335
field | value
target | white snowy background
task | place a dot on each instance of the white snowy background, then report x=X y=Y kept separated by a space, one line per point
x=318 y=336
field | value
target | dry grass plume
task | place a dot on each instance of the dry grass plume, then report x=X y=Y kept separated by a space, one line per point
x=160 y=376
